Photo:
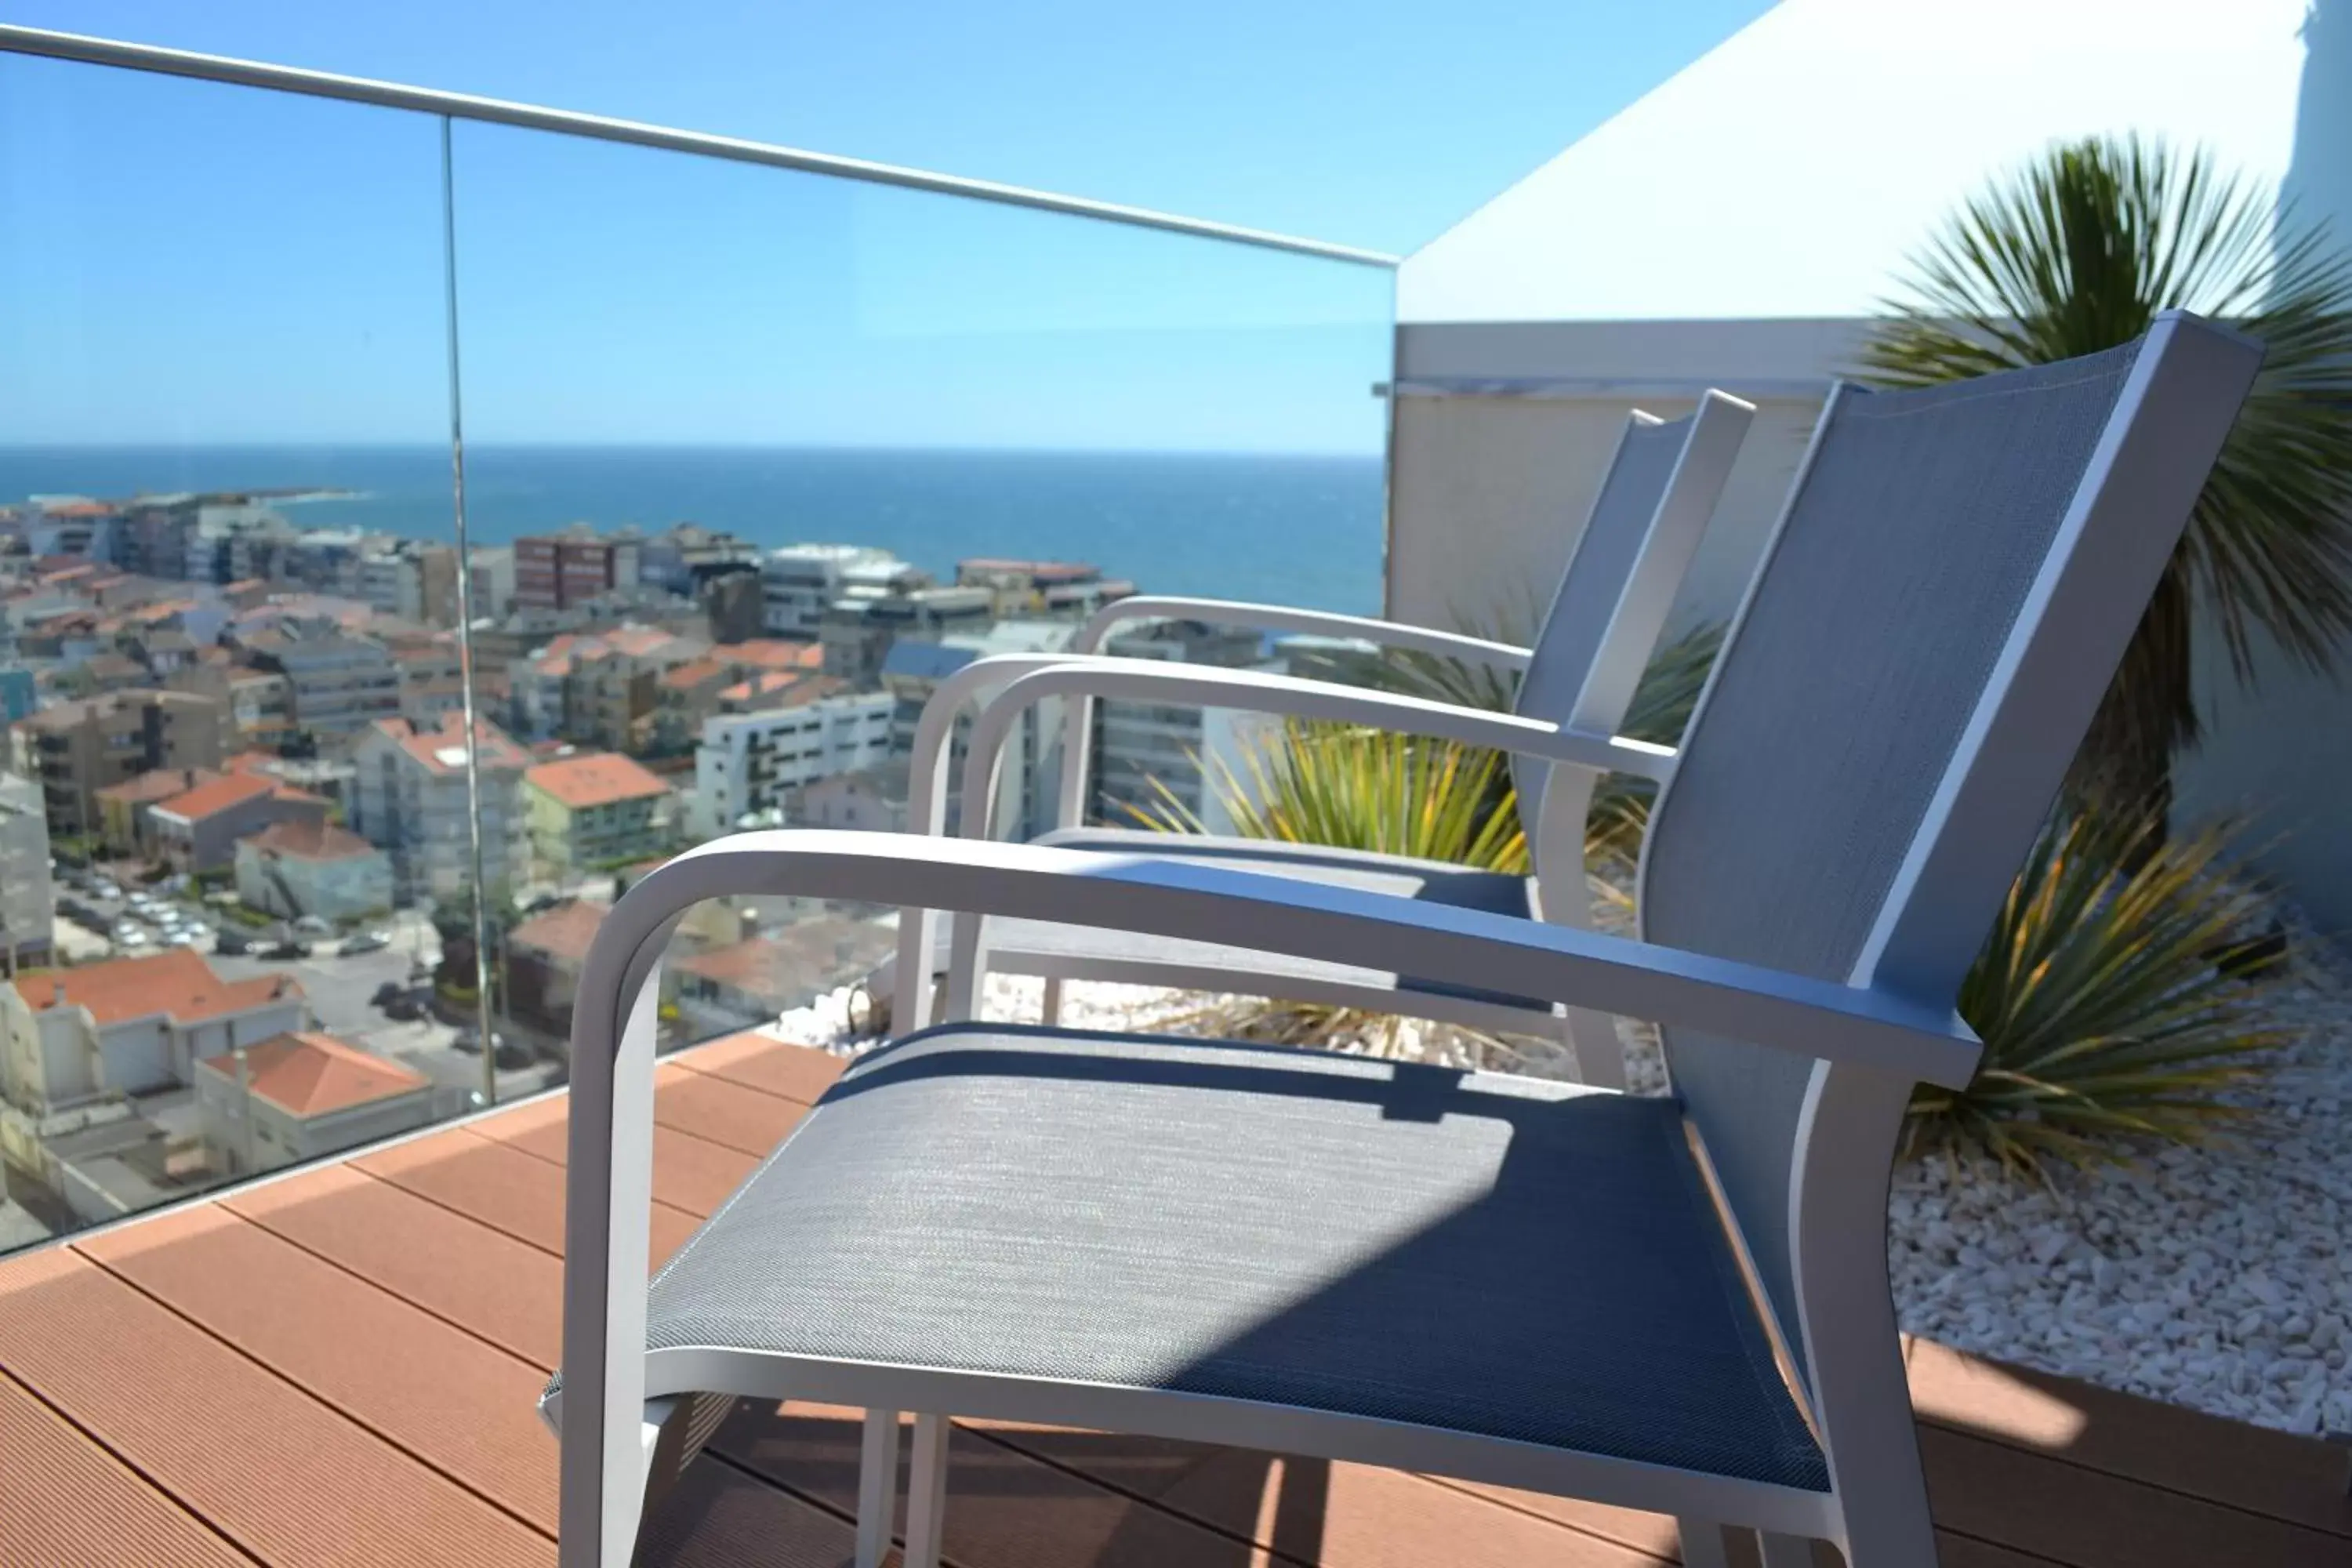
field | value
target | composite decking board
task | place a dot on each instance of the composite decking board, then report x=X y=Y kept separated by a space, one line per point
x=2008 y=1497
x=758 y=1061
x=64 y=1499
x=286 y=1477
x=1007 y=1508
x=719 y=1517
x=691 y=1173
x=722 y=1110
x=463 y=1229
x=356 y=1346
x=503 y=1187
x=458 y=1269
x=2275 y=1474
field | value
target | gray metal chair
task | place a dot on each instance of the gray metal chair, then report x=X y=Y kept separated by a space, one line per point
x=1678 y=1305
x=1655 y=497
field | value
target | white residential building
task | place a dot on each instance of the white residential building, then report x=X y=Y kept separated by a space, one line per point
x=299 y=1095
x=746 y=761
x=1142 y=749
x=800 y=581
x=129 y=1026
x=1030 y=772
x=28 y=899
x=409 y=799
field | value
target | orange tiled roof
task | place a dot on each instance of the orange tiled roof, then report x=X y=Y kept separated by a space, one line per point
x=594 y=778
x=179 y=983
x=312 y=840
x=162 y=784
x=426 y=744
x=563 y=931
x=311 y=1074
x=772 y=653
x=220 y=796
x=794 y=689
x=687 y=676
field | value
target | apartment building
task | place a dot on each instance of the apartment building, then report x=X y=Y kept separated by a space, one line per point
x=1042 y=590
x=857 y=631
x=800 y=581
x=1138 y=749
x=340 y=684
x=600 y=690
x=555 y=571
x=260 y=702
x=129 y=1025
x=747 y=763
x=1031 y=769
x=28 y=900
x=595 y=809
x=409 y=799
x=77 y=749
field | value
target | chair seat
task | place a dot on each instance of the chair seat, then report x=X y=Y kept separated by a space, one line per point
x=1486 y=1255
x=1093 y=952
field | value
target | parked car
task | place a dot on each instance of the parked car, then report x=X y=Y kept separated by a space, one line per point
x=287 y=949
x=130 y=936
x=365 y=942
x=105 y=889
x=232 y=944
x=178 y=939
x=312 y=925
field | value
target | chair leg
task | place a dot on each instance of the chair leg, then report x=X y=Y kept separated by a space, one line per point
x=877 y=1486
x=1592 y=1039
x=1704 y=1543
x=1051 y=1013
x=927 y=1493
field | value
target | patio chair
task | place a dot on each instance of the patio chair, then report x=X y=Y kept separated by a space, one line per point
x=1675 y=1304
x=1655 y=497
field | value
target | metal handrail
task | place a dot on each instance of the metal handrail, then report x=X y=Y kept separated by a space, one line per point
x=531 y=117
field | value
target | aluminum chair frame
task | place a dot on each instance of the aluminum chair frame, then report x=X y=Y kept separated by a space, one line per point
x=1889 y=1024
x=1604 y=688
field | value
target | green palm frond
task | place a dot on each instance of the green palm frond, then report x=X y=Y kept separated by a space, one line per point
x=2076 y=252
x=2117 y=998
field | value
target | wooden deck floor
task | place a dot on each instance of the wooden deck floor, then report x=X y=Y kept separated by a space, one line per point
x=339 y=1367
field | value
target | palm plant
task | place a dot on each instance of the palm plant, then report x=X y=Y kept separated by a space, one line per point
x=2117 y=997
x=2076 y=252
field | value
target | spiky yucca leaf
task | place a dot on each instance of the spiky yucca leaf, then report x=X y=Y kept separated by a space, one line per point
x=2076 y=251
x=1347 y=787
x=2105 y=1012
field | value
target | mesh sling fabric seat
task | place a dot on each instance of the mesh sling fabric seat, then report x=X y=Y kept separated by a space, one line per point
x=1123 y=1212
x=1654 y=499
x=1676 y=1304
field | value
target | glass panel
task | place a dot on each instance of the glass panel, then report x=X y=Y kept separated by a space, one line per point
x=763 y=457
x=228 y=578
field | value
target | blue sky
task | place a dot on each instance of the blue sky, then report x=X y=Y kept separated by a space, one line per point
x=216 y=266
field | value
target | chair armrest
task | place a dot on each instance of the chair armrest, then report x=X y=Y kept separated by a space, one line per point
x=1149 y=681
x=1290 y=618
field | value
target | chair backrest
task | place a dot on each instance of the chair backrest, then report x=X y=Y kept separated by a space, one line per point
x=1660 y=490
x=1949 y=590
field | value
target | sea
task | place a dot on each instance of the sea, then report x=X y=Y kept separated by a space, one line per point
x=1294 y=530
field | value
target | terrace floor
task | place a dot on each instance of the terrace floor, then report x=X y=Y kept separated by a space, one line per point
x=339 y=1367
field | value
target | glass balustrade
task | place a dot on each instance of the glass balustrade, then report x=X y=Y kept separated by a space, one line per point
x=752 y=458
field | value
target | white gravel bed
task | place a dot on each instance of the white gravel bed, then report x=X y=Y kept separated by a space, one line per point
x=2215 y=1277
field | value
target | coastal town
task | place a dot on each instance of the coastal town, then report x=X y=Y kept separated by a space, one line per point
x=239 y=856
